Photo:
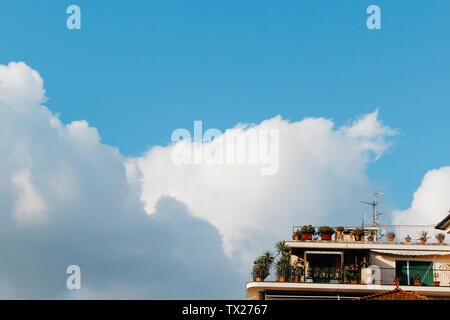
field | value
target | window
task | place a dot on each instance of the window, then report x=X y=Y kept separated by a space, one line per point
x=407 y=270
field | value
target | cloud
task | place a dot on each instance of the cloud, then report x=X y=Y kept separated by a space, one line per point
x=321 y=177
x=20 y=86
x=68 y=199
x=431 y=201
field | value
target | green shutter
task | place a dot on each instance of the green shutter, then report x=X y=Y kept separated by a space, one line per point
x=424 y=269
x=401 y=271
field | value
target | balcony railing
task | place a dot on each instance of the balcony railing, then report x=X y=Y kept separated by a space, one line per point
x=403 y=234
x=385 y=276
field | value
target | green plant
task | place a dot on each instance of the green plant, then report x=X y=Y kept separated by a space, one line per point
x=358 y=232
x=325 y=230
x=262 y=265
x=309 y=229
x=423 y=235
x=364 y=263
x=440 y=236
x=351 y=272
x=283 y=267
x=297 y=269
x=340 y=229
x=281 y=248
x=390 y=235
x=297 y=233
x=417 y=277
x=347 y=231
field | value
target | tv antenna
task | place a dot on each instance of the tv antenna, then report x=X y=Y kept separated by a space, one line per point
x=374 y=204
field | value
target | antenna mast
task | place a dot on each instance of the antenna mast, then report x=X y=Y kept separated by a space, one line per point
x=374 y=205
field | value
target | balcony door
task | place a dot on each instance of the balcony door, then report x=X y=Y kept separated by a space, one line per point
x=407 y=270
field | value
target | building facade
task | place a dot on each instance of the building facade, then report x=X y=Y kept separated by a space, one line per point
x=345 y=267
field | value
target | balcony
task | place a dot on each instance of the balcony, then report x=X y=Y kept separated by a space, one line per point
x=363 y=276
x=403 y=234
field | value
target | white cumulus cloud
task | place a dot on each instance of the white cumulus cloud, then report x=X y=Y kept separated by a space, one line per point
x=431 y=201
x=321 y=177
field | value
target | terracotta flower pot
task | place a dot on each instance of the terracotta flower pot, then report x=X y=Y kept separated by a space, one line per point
x=354 y=281
x=391 y=239
x=440 y=240
x=296 y=279
x=423 y=240
x=436 y=283
x=282 y=279
x=258 y=279
x=417 y=282
x=307 y=236
x=357 y=237
x=408 y=239
x=296 y=238
x=396 y=282
x=325 y=236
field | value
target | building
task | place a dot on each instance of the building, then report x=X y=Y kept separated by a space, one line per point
x=344 y=267
x=444 y=224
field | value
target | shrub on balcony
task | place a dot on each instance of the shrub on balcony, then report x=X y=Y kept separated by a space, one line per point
x=423 y=236
x=340 y=229
x=307 y=232
x=358 y=233
x=417 y=281
x=297 y=235
x=440 y=237
x=325 y=232
x=297 y=270
x=283 y=268
x=390 y=236
x=261 y=266
x=282 y=248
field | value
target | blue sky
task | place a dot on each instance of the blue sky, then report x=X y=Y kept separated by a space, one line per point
x=137 y=70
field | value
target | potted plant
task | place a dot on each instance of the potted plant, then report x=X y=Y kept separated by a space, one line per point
x=307 y=232
x=339 y=231
x=283 y=267
x=440 y=237
x=297 y=235
x=390 y=236
x=436 y=282
x=325 y=232
x=296 y=270
x=346 y=235
x=371 y=236
x=351 y=273
x=423 y=236
x=408 y=238
x=417 y=279
x=261 y=266
x=358 y=233
x=397 y=281
x=282 y=248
